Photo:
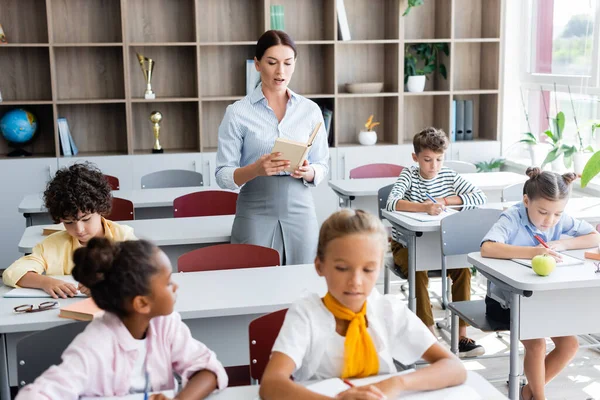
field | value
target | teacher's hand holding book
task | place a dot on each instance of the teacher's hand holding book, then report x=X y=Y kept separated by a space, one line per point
x=267 y=165
x=304 y=171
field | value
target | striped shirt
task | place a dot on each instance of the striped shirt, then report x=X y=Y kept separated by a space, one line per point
x=250 y=127
x=411 y=186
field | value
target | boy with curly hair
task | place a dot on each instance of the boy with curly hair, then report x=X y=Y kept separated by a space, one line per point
x=409 y=193
x=79 y=197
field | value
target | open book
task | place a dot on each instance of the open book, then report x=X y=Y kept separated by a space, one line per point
x=332 y=387
x=295 y=152
x=567 y=261
x=424 y=217
x=39 y=293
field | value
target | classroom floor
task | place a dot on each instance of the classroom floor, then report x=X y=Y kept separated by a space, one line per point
x=579 y=381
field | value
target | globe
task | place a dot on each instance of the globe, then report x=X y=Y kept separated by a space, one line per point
x=18 y=127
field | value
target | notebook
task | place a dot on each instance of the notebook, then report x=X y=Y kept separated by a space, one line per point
x=332 y=387
x=83 y=310
x=295 y=152
x=593 y=254
x=424 y=217
x=137 y=396
x=567 y=261
x=39 y=293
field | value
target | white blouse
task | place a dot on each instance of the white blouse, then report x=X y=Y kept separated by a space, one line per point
x=309 y=338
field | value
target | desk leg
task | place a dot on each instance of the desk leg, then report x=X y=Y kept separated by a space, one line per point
x=386 y=279
x=412 y=270
x=4 y=385
x=515 y=367
x=28 y=220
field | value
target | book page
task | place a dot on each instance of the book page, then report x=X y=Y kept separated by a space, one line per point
x=424 y=217
x=39 y=293
x=567 y=261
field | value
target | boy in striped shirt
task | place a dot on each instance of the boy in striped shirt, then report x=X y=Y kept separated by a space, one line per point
x=448 y=188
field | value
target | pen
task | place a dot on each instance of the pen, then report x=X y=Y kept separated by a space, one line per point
x=539 y=239
x=347 y=382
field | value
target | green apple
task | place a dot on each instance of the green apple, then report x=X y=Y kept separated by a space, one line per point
x=543 y=264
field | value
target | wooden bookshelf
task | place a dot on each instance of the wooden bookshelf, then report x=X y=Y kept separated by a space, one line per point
x=77 y=59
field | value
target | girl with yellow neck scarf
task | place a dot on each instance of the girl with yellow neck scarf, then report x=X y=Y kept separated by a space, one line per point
x=353 y=331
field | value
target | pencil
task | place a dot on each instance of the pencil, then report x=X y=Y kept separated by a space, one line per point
x=347 y=382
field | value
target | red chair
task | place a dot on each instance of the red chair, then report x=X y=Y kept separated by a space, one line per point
x=376 y=171
x=262 y=333
x=122 y=210
x=205 y=203
x=113 y=182
x=228 y=256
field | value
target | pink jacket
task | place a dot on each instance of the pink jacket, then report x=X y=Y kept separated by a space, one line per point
x=100 y=360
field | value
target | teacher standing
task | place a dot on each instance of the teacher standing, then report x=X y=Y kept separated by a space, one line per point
x=274 y=209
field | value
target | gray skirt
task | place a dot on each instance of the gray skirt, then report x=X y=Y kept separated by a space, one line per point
x=278 y=212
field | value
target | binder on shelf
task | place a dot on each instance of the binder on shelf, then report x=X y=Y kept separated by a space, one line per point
x=460 y=120
x=252 y=77
x=66 y=140
x=453 y=122
x=327 y=117
x=65 y=144
x=342 y=20
x=277 y=17
x=468 y=119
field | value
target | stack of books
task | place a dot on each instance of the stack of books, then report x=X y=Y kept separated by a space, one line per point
x=277 y=21
x=67 y=144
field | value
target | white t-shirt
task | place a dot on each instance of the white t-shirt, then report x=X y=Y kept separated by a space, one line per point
x=308 y=336
x=138 y=376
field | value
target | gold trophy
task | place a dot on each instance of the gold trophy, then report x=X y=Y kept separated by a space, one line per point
x=147 y=70
x=155 y=118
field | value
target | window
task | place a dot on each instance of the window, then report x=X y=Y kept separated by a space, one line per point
x=564 y=41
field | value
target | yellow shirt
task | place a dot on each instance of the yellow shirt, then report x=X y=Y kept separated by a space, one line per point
x=54 y=255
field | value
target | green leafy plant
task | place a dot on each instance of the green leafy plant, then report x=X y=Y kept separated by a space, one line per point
x=528 y=137
x=411 y=4
x=558 y=147
x=422 y=59
x=591 y=169
x=489 y=166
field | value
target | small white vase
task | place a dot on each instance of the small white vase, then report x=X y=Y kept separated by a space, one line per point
x=416 y=83
x=579 y=161
x=367 y=138
x=537 y=153
x=558 y=165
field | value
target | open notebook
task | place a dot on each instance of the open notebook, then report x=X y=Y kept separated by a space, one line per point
x=137 y=396
x=424 y=217
x=331 y=387
x=39 y=293
x=567 y=261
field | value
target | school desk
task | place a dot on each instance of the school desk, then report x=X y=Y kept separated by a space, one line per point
x=217 y=306
x=148 y=203
x=491 y=183
x=474 y=380
x=175 y=236
x=423 y=239
x=548 y=306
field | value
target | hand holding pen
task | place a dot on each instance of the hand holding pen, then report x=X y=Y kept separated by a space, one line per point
x=434 y=208
x=546 y=249
x=368 y=392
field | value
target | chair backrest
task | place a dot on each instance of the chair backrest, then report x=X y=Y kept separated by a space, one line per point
x=113 y=181
x=228 y=256
x=462 y=167
x=376 y=171
x=121 y=210
x=513 y=192
x=462 y=232
x=382 y=196
x=262 y=333
x=40 y=350
x=205 y=203
x=171 y=178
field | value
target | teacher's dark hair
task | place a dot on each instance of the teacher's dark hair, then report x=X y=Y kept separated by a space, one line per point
x=274 y=38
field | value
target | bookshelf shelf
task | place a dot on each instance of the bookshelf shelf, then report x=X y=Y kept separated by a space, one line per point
x=88 y=71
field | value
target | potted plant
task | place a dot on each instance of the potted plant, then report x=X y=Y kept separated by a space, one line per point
x=558 y=148
x=530 y=140
x=368 y=137
x=582 y=154
x=490 y=166
x=420 y=60
x=411 y=4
